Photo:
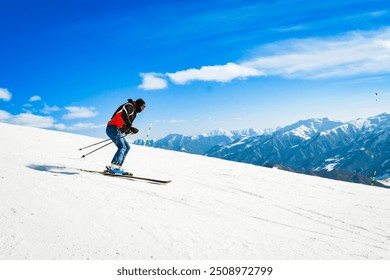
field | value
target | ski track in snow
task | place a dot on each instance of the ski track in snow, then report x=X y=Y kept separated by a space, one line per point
x=212 y=209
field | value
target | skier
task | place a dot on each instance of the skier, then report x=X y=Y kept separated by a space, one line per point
x=118 y=127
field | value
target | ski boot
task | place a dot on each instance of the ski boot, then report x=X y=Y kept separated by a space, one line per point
x=117 y=170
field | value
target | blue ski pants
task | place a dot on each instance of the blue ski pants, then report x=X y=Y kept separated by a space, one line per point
x=123 y=147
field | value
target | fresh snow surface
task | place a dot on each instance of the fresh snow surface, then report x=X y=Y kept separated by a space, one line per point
x=212 y=209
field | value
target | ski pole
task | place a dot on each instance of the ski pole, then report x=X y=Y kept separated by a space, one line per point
x=100 y=142
x=95 y=144
x=83 y=156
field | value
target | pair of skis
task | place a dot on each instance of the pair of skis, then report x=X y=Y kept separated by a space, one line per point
x=107 y=172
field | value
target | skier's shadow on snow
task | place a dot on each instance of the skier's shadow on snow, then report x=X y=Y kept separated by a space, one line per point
x=52 y=169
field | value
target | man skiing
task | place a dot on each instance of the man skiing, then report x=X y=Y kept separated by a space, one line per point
x=120 y=125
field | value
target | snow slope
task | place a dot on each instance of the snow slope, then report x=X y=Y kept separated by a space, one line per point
x=213 y=209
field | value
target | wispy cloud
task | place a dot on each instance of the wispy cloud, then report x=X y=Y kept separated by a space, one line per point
x=171 y=121
x=76 y=112
x=215 y=121
x=5 y=94
x=355 y=53
x=217 y=73
x=290 y=28
x=378 y=13
x=35 y=98
x=153 y=81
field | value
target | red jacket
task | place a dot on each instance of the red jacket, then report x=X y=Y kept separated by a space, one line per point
x=123 y=116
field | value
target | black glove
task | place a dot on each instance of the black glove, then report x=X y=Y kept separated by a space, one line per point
x=134 y=130
x=125 y=130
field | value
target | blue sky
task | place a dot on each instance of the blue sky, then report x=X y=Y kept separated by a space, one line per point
x=199 y=65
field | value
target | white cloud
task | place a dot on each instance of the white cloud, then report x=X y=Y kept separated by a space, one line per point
x=59 y=126
x=5 y=115
x=218 y=73
x=29 y=119
x=152 y=81
x=355 y=53
x=5 y=94
x=35 y=98
x=47 y=109
x=79 y=112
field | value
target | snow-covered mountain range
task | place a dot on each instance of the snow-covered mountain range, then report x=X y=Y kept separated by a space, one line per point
x=212 y=210
x=350 y=151
x=202 y=143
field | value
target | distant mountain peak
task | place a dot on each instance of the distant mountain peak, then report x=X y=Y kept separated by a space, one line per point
x=306 y=129
x=234 y=133
x=218 y=132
